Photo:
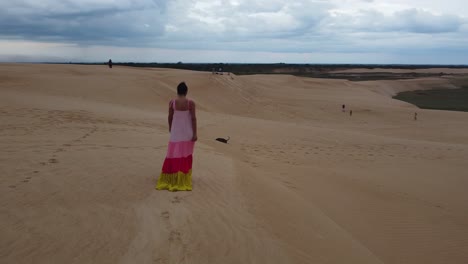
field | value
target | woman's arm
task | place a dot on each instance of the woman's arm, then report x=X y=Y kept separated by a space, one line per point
x=170 y=115
x=194 y=120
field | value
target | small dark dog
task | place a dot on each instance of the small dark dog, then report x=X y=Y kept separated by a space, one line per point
x=223 y=140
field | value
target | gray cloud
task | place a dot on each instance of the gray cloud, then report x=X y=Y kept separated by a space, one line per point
x=418 y=21
x=124 y=22
x=306 y=26
x=409 y=20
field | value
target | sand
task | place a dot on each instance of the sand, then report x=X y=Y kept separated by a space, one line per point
x=299 y=181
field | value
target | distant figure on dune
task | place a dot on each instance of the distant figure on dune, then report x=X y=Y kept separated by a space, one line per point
x=415 y=116
x=343 y=108
x=176 y=173
x=110 y=64
x=350 y=112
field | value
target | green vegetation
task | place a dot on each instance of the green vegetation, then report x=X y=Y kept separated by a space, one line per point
x=441 y=99
x=303 y=70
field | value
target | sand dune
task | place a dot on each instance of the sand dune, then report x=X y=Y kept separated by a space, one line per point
x=300 y=181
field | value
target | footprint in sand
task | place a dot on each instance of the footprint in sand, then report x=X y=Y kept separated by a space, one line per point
x=289 y=185
x=43 y=163
x=165 y=215
x=53 y=161
x=12 y=186
x=36 y=171
x=176 y=200
x=175 y=236
x=160 y=261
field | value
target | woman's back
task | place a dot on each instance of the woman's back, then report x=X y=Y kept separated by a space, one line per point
x=182 y=123
x=181 y=104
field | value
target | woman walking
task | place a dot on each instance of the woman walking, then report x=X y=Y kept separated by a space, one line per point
x=176 y=173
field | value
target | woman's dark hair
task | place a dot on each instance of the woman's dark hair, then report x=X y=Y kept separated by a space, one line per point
x=182 y=89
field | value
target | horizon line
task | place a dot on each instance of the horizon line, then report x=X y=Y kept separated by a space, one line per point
x=240 y=63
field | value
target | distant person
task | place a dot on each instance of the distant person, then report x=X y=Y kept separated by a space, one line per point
x=415 y=116
x=350 y=112
x=343 y=107
x=110 y=64
x=176 y=172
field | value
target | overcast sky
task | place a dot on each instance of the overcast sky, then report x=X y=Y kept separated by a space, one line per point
x=314 y=31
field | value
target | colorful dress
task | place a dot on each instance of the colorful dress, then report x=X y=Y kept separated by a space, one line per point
x=176 y=172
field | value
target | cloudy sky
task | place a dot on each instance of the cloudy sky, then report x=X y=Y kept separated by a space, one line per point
x=301 y=31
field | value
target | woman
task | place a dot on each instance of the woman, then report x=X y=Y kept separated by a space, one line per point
x=176 y=173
